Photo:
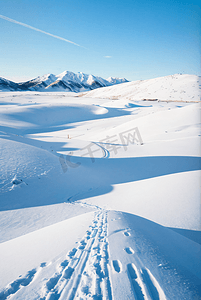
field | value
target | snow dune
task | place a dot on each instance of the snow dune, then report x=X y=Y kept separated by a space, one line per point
x=100 y=198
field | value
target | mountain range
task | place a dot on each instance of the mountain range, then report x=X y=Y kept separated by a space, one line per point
x=66 y=81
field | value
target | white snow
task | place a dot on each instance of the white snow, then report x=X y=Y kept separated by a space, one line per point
x=83 y=78
x=172 y=88
x=116 y=80
x=47 y=78
x=119 y=222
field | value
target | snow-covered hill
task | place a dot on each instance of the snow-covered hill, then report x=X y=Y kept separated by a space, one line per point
x=66 y=81
x=99 y=198
x=174 y=87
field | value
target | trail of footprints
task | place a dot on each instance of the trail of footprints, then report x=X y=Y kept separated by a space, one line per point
x=143 y=283
x=14 y=286
x=84 y=274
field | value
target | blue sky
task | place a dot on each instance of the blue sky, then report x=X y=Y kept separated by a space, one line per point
x=132 y=39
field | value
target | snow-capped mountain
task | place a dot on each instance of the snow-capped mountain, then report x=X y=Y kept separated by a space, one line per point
x=7 y=85
x=116 y=80
x=41 y=82
x=83 y=81
x=67 y=81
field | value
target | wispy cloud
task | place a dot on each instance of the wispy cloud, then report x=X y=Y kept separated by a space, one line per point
x=107 y=56
x=39 y=30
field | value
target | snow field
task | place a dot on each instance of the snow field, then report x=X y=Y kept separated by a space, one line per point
x=146 y=196
x=132 y=258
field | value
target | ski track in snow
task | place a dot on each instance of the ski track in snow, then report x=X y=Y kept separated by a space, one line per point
x=85 y=272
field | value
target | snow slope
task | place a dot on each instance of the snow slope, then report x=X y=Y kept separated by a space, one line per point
x=99 y=199
x=172 y=88
x=102 y=263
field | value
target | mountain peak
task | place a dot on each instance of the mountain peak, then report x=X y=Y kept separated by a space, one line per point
x=116 y=80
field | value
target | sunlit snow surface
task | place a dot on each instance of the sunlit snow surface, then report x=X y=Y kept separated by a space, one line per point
x=173 y=88
x=100 y=198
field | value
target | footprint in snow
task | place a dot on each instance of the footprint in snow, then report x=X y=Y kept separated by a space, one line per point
x=129 y=250
x=126 y=233
x=17 y=181
x=17 y=284
x=117 y=265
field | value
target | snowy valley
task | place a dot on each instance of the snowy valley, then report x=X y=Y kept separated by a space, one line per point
x=100 y=190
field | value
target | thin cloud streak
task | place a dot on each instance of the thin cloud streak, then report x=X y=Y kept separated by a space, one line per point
x=39 y=30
